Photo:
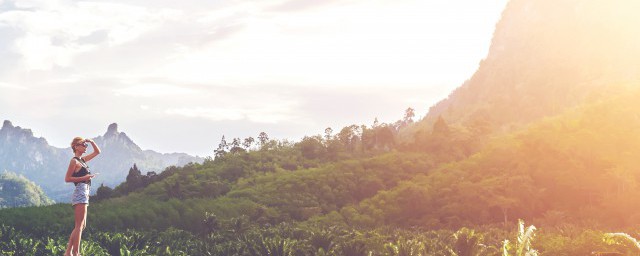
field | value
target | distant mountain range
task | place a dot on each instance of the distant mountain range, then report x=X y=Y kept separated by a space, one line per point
x=35 y=159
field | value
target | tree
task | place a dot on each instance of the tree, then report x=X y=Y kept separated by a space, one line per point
x=510 y=192
x=327 y=133
x=263 y=138
x=235 y=146
x=348 y=136
x=440 y=127
x=442 y=140
x=134 y=177
x=364 y=139
x=103 y=192
x=211 y=223
x=235 y=142
x=408 y=116
x=222 y=148
x=398 y=125
x=248 y=142
x=311 y=147
x=384 y=137
x=148 y=179
x=173 y=191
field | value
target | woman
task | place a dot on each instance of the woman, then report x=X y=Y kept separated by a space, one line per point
x=79 y=174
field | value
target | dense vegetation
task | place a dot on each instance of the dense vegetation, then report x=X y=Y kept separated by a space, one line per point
x=18 y=191
x=239 y=237
x=580 y=167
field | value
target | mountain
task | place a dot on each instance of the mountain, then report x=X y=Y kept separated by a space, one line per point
x=545 y=57
x=18 y=191
x=46 y=165
x=119 y=153
x=32 y=157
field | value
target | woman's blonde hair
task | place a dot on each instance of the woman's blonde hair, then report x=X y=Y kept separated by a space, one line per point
x=74 y=142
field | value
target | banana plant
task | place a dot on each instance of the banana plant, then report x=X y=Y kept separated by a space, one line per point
x=354 y=248
x=271 y=246
x=93 y=248
x=405 y=247
x=468 y=242
x=323 y=239
x=623 y=238
x=523 y=241
x=54 y=247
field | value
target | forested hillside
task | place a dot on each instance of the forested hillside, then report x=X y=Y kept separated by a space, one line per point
x=580 y=167
x=18 y=191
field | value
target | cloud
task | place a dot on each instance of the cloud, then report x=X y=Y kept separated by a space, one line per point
x=9 y=59
x=299 y=5
x=273 y=112
x=154 y=90
x=54 y=32
x=5 y=5
x=96 y=37
x=190 y=5
x=108 y=39
x=215 y=114
x=12 y=86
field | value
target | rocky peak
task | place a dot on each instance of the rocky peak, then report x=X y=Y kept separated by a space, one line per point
x=8 y=128
x=113 y=135
x=112 y=130
x=7 y=124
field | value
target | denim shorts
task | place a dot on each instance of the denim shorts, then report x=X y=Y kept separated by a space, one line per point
x=81 y=194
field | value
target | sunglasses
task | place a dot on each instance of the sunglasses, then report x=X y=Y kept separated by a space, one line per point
x=83 y=144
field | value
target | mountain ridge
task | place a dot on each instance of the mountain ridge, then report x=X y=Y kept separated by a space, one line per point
x=45 y=164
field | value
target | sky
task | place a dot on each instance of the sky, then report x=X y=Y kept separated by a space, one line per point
x=178 y=75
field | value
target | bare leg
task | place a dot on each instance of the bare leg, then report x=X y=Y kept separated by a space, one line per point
x=72 y=236
x=76 y=235
x=81 y=214
x=68 y=251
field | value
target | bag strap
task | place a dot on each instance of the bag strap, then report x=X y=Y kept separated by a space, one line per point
x=84 y=164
